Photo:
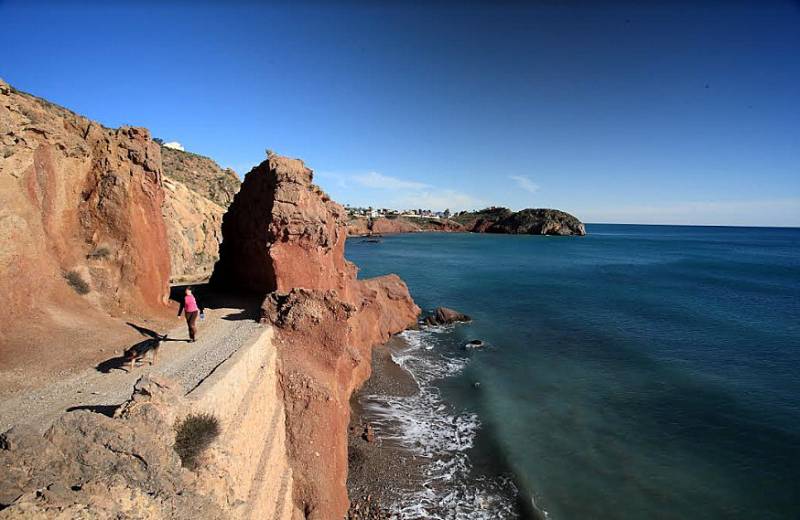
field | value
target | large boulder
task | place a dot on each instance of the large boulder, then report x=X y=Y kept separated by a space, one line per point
x=282 y=232
x=283 y=237
x=445 y=316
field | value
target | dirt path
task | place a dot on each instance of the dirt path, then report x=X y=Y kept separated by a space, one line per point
x=103 y=388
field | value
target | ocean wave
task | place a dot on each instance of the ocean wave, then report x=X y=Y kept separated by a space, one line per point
x=425 y=425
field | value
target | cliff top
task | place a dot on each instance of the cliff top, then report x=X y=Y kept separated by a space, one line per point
x=201 y=174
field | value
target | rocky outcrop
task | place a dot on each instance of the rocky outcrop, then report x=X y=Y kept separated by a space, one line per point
x=489 y=220
x=445 y=316
x=198 y=192
x=284 y=237
x=539 y=222
x=282 y=232
x=524 y=222
x=480 y=221
x=201 y=175
x=393 y=225
x=80 y=215
x=91 y=466
x=360 y=226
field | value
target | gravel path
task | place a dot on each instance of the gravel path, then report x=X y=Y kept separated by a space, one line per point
x=221 y=334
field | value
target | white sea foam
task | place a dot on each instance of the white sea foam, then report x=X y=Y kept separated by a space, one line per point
x=425 y=425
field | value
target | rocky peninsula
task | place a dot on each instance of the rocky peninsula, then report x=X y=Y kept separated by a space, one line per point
x=490 y=220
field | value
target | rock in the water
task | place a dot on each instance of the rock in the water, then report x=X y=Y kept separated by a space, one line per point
x=475 y=343
x=525 y=222
x=445 y=316
x=539 y=222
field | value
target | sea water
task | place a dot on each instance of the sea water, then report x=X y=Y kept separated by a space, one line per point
x=640 y=372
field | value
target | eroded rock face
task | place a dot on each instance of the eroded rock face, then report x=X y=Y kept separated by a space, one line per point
x=282 y=232
x=78 y=198
x=91 y=466
x=395 y=225
x=194 y=231
x=284 y=237
x=359 y=226
x=197 y=192
x=201 y=175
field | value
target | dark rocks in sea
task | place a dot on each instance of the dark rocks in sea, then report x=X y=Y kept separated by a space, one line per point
x=475 y=343
x=539 y=222
x=445 y=316
x=525 y=222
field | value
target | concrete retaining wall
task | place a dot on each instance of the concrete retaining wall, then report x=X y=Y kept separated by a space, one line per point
x=248 y=472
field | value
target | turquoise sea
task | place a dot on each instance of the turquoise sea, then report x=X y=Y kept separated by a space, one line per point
x=640 y=372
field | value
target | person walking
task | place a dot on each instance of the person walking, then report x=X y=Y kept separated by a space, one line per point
x=191 y=311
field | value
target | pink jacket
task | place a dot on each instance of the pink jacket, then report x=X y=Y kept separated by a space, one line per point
x=190 y=304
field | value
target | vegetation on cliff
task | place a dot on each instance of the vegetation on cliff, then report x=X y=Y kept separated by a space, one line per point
x=201 y=174
x=525 y=222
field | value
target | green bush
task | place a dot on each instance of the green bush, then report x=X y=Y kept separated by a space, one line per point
x=75 y=281
x=193 y=435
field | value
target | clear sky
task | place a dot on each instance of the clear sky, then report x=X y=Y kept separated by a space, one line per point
x=677 y=112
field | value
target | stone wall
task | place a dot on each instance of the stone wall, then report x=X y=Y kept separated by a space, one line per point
x=248 y=467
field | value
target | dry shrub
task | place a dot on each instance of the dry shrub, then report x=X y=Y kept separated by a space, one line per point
x=193 y=435
x=76 y=281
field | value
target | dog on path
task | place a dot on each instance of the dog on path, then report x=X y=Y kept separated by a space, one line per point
x=140 y=350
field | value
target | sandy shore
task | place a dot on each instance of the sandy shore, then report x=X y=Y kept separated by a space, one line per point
x=379 y=471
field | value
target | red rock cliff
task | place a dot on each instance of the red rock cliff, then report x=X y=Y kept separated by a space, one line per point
x=284 y=237
x=80 y=216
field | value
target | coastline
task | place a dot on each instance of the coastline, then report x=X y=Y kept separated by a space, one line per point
x=409 y=449
x=377 y=469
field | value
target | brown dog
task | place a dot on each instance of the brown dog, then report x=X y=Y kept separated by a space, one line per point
x=140 y=350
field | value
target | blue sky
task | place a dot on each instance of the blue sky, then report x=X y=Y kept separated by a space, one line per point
x=678 y=112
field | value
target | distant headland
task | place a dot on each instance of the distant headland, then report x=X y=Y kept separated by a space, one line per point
x=539 y=221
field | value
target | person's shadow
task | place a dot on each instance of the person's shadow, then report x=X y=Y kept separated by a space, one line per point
x=144 y=331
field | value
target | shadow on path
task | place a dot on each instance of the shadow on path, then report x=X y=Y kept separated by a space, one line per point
x=104 y=409
x=144 y=331
x=121 y=362
x=244 y=307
